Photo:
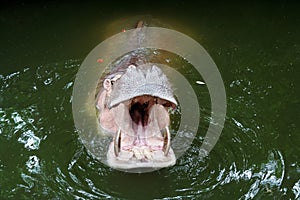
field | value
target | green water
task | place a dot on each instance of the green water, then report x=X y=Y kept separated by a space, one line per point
x=256 y=47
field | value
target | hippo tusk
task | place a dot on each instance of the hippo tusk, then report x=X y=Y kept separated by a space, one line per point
x=167 y=141
x=117 y=142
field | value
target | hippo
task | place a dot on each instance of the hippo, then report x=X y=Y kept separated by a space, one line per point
x=134 y=102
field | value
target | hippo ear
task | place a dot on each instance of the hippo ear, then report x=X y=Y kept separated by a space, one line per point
x=107 y=84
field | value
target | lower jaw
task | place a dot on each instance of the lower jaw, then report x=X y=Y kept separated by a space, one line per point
x=135 y=165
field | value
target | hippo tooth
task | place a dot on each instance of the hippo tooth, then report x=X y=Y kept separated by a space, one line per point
x=147 y=154
x=138 y=154
x=167 y=141
x=117 y=142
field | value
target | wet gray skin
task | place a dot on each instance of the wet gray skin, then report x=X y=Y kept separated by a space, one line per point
x=133 y=106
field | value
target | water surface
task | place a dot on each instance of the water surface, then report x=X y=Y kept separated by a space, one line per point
x=256 y=47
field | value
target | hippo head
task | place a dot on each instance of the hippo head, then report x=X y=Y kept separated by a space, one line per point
x=134 y=108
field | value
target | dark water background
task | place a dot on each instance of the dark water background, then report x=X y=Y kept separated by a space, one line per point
x=256 y=47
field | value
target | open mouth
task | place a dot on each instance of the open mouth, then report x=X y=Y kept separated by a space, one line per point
x=143 y=137
x=134 y=107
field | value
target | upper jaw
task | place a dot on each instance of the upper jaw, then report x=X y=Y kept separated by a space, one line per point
x=141 y=81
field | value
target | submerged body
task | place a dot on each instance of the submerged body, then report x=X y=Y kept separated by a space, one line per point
x=133 y=107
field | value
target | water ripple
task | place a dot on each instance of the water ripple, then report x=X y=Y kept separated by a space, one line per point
x=296 y=189
x=47 y=160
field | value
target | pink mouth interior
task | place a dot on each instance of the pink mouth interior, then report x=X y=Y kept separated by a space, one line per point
x=143 y=111
x=142 y=122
